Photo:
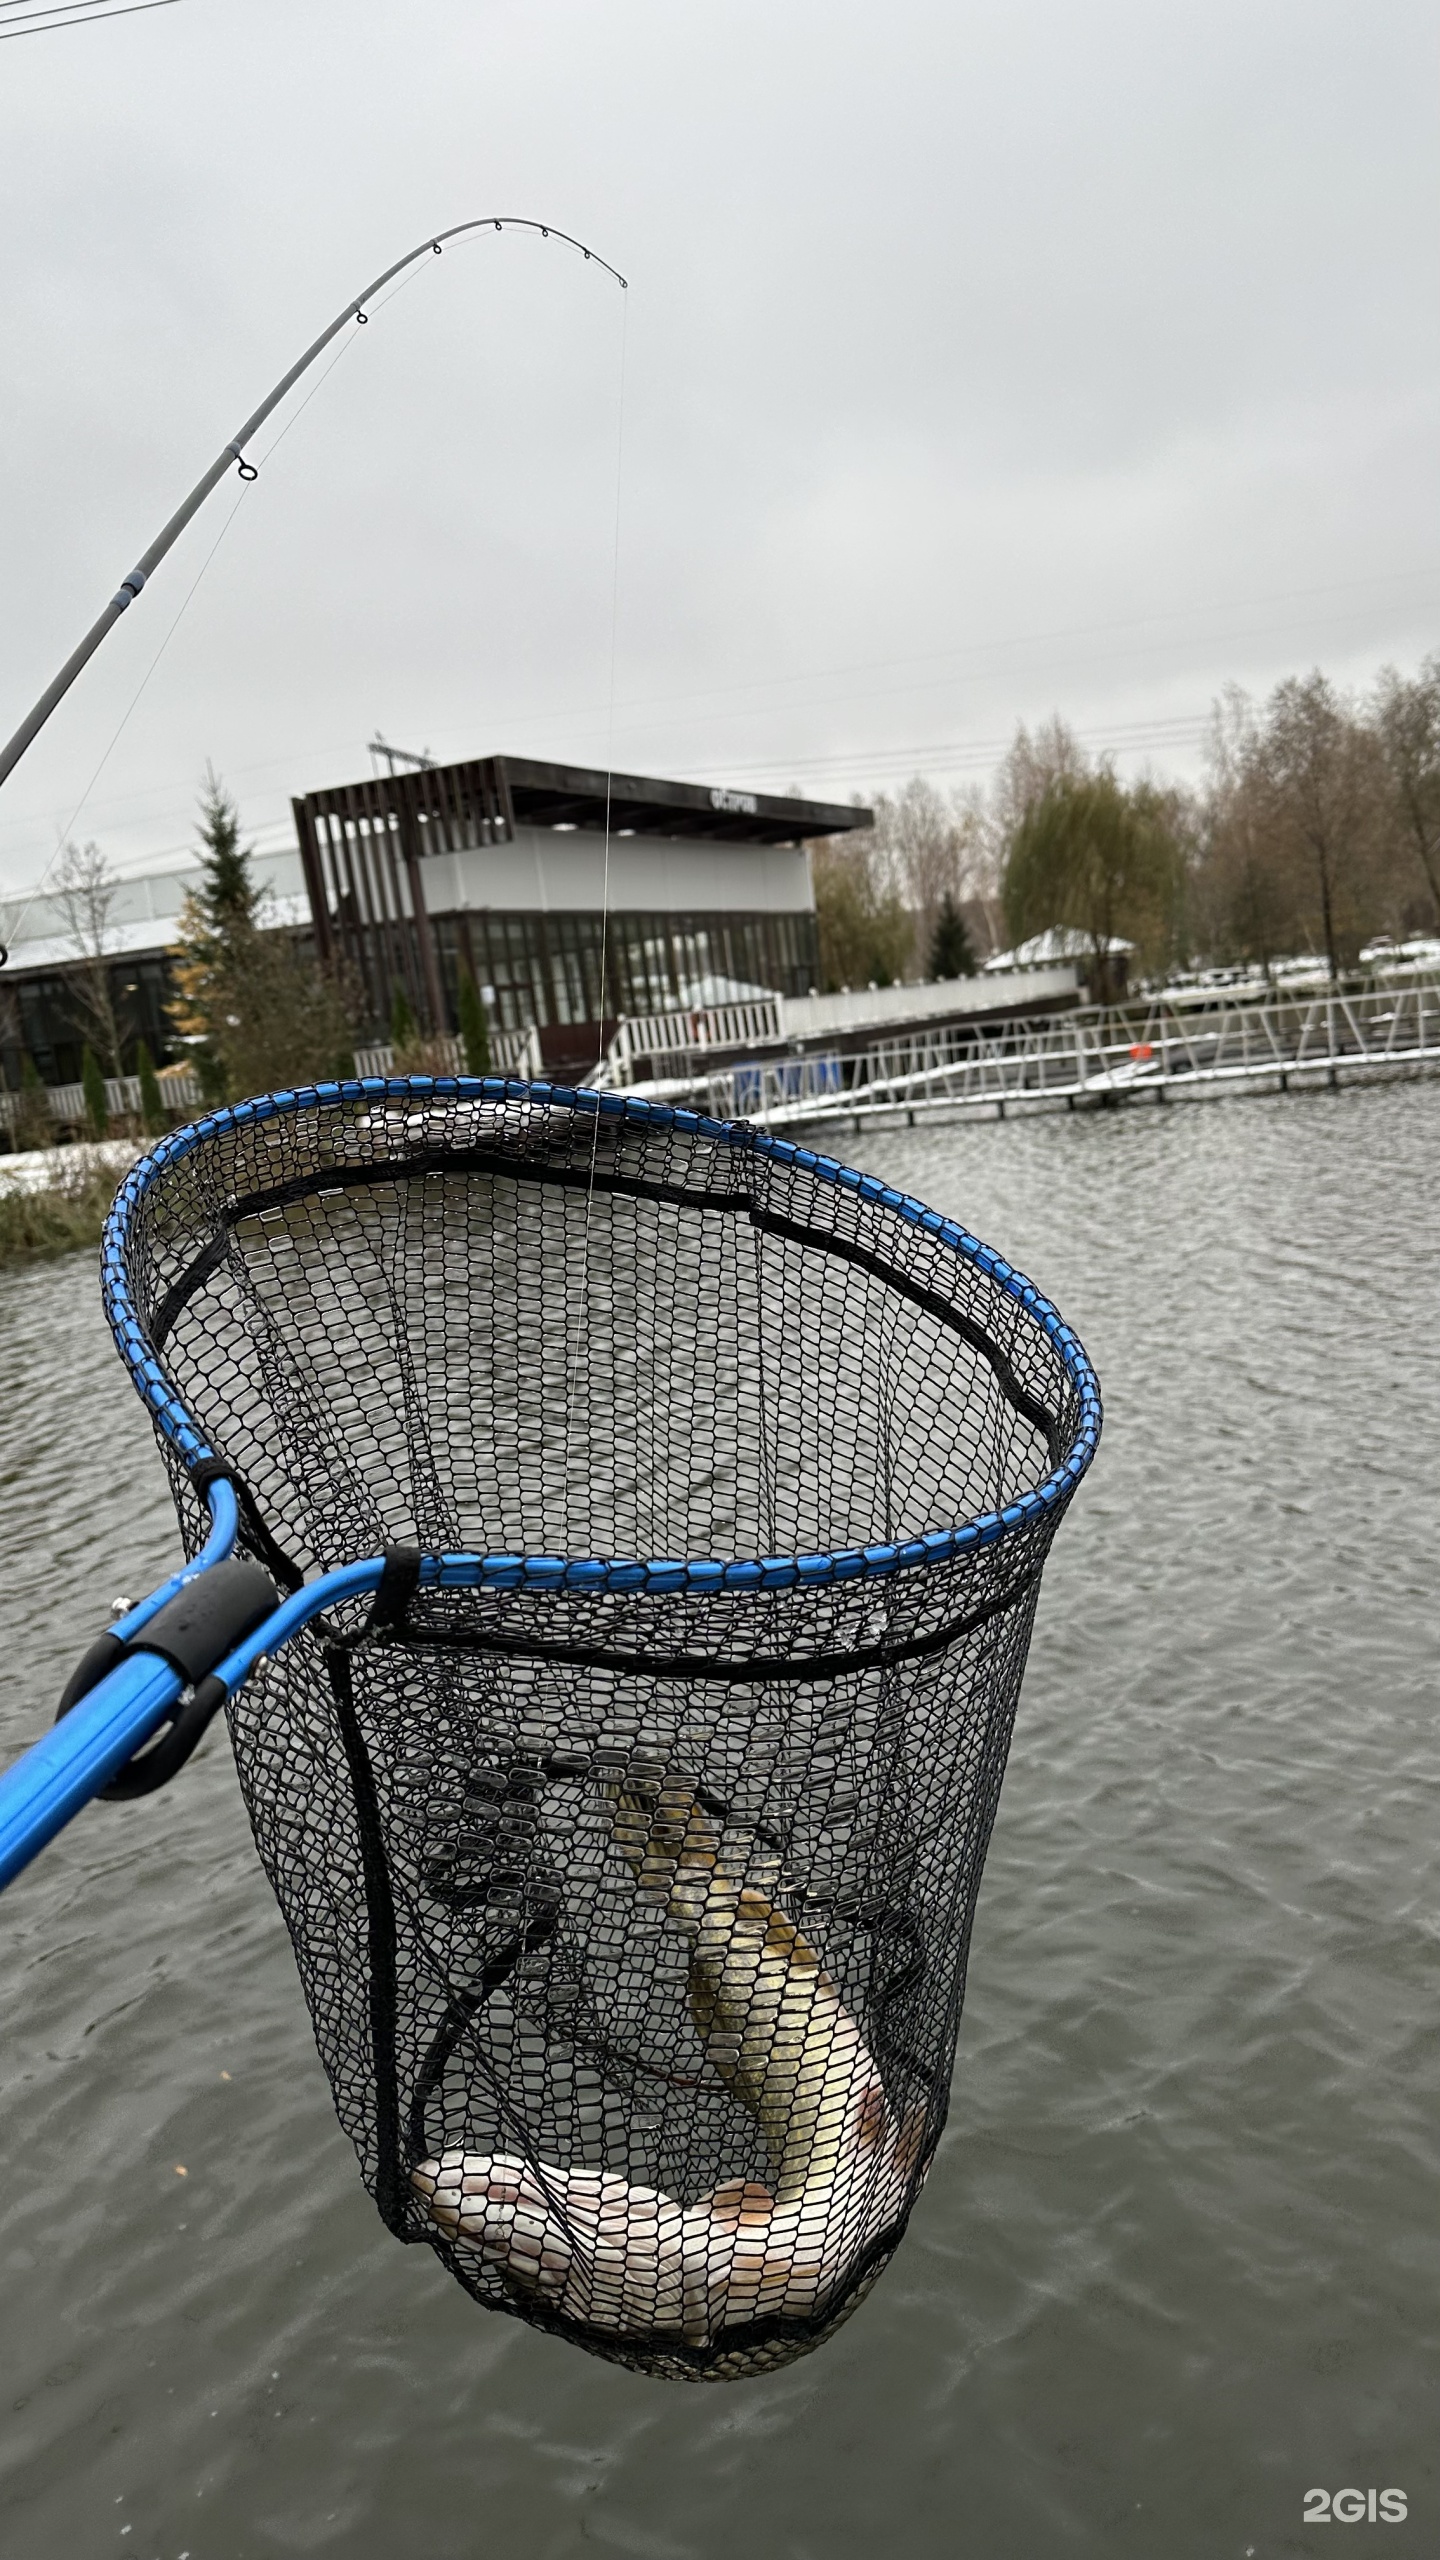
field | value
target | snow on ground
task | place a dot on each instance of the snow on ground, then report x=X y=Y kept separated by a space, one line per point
x=47 y=1168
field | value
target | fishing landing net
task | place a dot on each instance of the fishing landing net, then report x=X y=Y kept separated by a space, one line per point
x=631 y=1884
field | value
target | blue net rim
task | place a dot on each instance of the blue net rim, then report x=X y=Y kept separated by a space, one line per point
x=502 y=1572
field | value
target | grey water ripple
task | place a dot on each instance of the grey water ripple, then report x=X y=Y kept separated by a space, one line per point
x=1177 y=2260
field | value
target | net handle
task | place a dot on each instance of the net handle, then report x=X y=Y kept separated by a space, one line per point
x=113 y=1715
x=122 y=1692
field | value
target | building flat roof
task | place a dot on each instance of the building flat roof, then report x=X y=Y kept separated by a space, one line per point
x=535 y=794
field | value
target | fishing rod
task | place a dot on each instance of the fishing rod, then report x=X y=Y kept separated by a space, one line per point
x=354 y=312
x=166 y=1665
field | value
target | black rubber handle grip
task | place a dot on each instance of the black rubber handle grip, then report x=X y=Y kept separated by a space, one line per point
x=208 y=1618
x=192 y=1633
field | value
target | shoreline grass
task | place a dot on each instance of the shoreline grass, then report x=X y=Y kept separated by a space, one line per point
x=64 y=1213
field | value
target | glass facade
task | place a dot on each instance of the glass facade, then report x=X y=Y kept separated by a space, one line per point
x=545 y=969
x=39 y=1015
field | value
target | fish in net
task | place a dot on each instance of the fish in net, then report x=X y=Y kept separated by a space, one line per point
x=628 y=1834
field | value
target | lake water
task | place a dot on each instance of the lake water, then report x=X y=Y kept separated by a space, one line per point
x=1179 y=2259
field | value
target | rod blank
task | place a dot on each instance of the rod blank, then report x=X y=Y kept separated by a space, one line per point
x=130 y=585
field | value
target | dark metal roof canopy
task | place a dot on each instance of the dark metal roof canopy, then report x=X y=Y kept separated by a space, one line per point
x=564 y=795
x=548 y=795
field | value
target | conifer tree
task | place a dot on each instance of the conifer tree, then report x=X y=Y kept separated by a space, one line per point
x=402 y=1023
x=951 y=954
x=259 y=1012
x=34 y=1125
x=97 y=1108
x=474 y=1026
x=152 y=1109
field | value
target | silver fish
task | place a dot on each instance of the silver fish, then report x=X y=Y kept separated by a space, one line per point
x=773 y=2026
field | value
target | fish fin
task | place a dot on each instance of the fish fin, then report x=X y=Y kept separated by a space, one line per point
x=911 y=2136
x=723 y=2050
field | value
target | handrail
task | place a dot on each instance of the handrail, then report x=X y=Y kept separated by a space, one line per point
x=1091 y=1056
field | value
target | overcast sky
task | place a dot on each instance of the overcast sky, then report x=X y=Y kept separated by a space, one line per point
x=978 y=362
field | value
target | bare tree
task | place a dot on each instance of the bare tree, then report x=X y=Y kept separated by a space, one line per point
x=1407 y=723
x=1243 y=893
x=982 y=907
x=86 y=890
x=866 y=932
x=930 y=849
x=1317 y=768
x=1026 y=772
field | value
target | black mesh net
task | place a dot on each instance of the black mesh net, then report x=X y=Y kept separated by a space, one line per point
x=632 y=1911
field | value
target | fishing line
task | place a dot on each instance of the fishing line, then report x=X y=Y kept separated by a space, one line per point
x=249 y=473
x=130 y=586
x=342 y=350
x=582 y=1325
x=65 y=833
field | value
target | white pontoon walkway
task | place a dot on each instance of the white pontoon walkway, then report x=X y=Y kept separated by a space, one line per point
x=1101 y=1056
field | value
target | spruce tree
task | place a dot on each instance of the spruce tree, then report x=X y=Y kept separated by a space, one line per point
x=951 y=954
x=474 y=1026
x=152 y=1109
x=402 y=1023
x=257 y=1010
x=97 y=1109
x=228 y=898
x=219 y=931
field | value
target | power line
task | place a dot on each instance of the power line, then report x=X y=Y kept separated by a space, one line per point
x=591 y=716
x=1135 y=737
x=77 y=13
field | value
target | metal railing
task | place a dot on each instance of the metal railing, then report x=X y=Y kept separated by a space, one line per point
x=676 y=1041
x=1104 y=1055
x=512 y=1053
x=67 y=1107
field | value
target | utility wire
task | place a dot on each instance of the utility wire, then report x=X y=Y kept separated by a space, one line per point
x=593 y=716
x=48 y=22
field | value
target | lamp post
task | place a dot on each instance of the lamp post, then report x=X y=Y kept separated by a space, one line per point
x=234 y=452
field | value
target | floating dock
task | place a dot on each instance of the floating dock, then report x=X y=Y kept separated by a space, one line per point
x=1098 y=1058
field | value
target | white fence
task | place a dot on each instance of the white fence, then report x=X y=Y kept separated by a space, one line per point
x=1100 y=1056
x=674 y=1042
x=66 y=1102
x=677 y=1043
x=512 y=1053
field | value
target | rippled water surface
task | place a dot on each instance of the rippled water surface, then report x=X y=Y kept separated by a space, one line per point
x=1178 y=2259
